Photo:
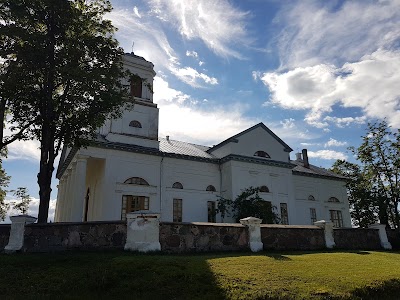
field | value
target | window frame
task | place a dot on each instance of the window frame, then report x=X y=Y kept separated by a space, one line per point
x=336 y=218
x=284 y=213
x=177 y=210
x=211 y=188
x=136 y=86
x=142 y=203
x=333 y=200
x=211 y=212
x=136 y=180
x=135 y=124
x=177 y=185
x=262 y=153
x=264 y=189
x=313 y=215
x=311 y=198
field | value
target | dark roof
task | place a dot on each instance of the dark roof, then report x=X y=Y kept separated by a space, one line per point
x=233 y=138
x=314 y=171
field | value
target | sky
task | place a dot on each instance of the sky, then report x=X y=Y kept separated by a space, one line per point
x=314 y=72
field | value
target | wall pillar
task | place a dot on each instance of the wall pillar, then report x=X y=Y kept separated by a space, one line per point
x=65 y=196
x=79 y=188
x=70 y=196
x=382 y=235
x=143 y=231
x=328 y=232
x=16 y=239
x=253 y=227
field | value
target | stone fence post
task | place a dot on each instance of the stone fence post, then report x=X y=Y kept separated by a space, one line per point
x=253 y=226
x=16 y=239
x=382 y=235
x=328 y=231
x=143 y=231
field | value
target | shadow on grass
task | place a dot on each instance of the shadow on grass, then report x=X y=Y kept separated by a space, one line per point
x=388 y=290
x=116 y=275
x=277 y=256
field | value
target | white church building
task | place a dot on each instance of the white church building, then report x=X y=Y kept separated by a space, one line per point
x=130 y=168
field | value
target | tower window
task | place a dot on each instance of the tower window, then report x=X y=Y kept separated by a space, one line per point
x=262 y=154
x=136 y=86
x=135 y=123
x=211 y=188
x=177 y=185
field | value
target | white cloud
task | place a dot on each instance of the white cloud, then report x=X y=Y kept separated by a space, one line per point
x=320 y=32
x=346 y=121
x=201 y=63
x=327 y=154
x=152 y=43
x=27 y=150
x=370 y=84
x=334 y=143
x=164 y=94
x=288 y=123
x=192 y=54
x=217 y=23
x=136 y=11
x=192 y=76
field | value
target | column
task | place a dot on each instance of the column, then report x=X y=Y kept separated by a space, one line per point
x=65 y=198
x=56 y=212
x=16 y=239
x=382 y=235
x=79 y=189
x=60 y=199
x=70 y=195
x=253 y=226
x=328 y=232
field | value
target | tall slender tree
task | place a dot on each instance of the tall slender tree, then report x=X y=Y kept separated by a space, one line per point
x=62 y=75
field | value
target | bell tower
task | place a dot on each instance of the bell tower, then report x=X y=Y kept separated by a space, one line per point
x=138 y=125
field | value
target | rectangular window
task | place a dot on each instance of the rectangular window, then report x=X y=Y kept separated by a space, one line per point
x=211 y=211
x=336 y=218
x=313 y=215
x=136 y=87
x=132 y=203
x=284 y=214
x=177 y=210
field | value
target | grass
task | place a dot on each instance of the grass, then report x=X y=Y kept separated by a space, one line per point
x=120 y=275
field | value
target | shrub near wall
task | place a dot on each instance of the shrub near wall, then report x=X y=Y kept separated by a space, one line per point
x=73 y=236
x=292 y=237
x=202 y=237
x=4 y=234
x=357 y=238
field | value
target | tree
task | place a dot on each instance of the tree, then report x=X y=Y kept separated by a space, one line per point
x=69 y=70
x=248 y=204
x=374 y=188
x=24 y=200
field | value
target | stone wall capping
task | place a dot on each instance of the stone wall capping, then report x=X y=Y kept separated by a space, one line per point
x=205 y=224
x=290 y=226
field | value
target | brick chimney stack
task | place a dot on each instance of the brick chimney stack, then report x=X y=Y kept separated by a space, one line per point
x=305 y=158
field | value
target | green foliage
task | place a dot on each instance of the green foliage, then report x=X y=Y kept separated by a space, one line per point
x=4 y=181
x=248 y=204
x=374 y=188
x=61 y=76
x=24 y=200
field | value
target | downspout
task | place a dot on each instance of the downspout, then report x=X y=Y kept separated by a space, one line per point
x=161 y=176
x=220 y=183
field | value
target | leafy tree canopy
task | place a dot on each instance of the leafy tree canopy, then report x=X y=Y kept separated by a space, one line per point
x=248 y=204
x=374 y=187
x=61 y=75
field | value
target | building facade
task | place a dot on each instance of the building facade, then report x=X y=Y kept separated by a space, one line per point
x=129 y=168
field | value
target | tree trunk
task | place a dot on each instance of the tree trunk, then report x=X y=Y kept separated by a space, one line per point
x=46 y=171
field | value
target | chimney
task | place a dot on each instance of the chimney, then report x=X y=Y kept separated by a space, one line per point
x=305 y=158
x=168 y=138
x=298 y=156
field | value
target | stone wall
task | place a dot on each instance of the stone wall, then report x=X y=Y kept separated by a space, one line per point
x=202 y=237
x=394 y=237
x=292 y=237
x=4 y=234
x=357 y=238
x=69 y=236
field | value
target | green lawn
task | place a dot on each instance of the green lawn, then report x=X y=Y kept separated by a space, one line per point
x=120 y=275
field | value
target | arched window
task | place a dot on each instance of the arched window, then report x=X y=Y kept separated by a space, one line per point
x=311 y=198
x=333 y=199
x=177 y=185
x=135 y=123
x=264 y=189
x=211 y=188
x=136 y=180
x=262 y=154
x=136 y=86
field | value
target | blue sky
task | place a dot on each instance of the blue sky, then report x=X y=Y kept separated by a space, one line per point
x=315 y=72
